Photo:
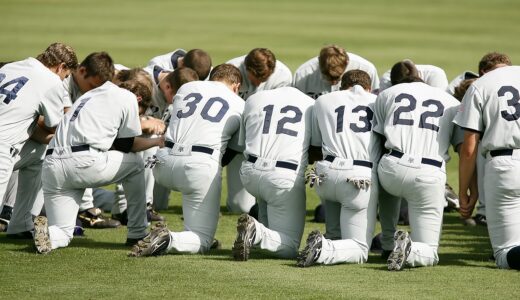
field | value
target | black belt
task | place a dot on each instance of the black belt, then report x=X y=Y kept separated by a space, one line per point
x=72 y=148
x=426 y=161
x=356 y=162
x=193 y=148
x=279 y=164
x=501 y=152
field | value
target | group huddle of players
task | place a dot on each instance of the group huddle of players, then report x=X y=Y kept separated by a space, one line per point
x=67 y=129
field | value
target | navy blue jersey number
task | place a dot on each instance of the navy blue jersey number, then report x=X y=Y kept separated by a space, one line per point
x=366 y=119
x=205 y=112
x=513 y=102
x=80 y=106
x=295 y=116
x=412 y=104
x=11 y=88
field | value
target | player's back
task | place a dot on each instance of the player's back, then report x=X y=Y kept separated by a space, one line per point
x=28 y=89
x=278 y=125
x=98 y=117
x=167 y=61
x=498 y=95
x=431 y=75
x=416 y=119
x=356 y=62
x=344 y=123
x=205 y=113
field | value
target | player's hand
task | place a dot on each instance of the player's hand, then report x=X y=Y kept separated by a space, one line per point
x=151 y=125
x=467 y=203
x=160 y=141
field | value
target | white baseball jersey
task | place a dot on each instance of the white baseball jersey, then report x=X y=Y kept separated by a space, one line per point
x=491 y=107
x=167 y=61
x=416 y=119
x=98 y=117
x=73 y=92
x=281 y=76
x=159 y=103
x=431 y=75
x=206 y=113
x=278 y=125
x=308 y=77
x=28 y=89
x=343 y=122
x=460 y=78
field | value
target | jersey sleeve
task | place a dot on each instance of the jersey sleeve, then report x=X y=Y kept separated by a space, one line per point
x=130 y=124
x=316 y=139
x=236 y=143
x=457 y=137
x=379 y=114
x=52 y=105
x=470 y=111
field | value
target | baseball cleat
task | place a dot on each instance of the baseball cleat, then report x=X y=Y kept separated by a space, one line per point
x=42 y=240
x=402 y=248
x=310 y=254
x=154 y=244
x=480 y=219
x=216 y=245
x=153 y=216
x=246 y=233
x=93 y=218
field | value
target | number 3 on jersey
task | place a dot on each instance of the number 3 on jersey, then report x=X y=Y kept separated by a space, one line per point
x=280 y=127
x=366 y=119
x=10 y=94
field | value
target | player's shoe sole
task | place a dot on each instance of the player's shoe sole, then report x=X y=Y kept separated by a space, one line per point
x=245 y=236
x=402 y=248
x=154 y=244
x=42 y=240
x=310 y=254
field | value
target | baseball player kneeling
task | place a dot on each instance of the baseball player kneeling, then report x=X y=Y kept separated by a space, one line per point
x=416 y=120
x=346 y=178
x=79 y=157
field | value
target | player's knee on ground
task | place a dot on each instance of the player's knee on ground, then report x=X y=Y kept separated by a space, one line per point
x=513 y=258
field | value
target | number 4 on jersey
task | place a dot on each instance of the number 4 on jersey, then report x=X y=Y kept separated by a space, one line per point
x=15 y=85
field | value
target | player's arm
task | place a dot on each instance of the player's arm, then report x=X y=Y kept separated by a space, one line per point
x=315 y=154
x=150 y=125
x=41 y=135
x=228 y=156
x=137 y=144
x=467 y=173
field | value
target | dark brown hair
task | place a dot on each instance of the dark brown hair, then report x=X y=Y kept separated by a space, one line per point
x=261 y=63
x=356 y=77
x=333 y=61
x=199 y=61
x=227 y=73
x=58 y=53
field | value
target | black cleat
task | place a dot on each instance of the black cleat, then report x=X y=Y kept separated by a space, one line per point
x=402 y=248
x=93 y=218
x=480 y=219
x=246 y=233
x=310 y=254
x=154 y=244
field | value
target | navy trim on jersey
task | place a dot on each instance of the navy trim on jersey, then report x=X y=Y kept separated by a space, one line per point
x=279 y=164
x=356 y=162
x=156 y=71
x=175 y=57
x=472 y=130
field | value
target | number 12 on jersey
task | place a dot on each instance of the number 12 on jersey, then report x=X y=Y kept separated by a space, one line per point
x=280 y=125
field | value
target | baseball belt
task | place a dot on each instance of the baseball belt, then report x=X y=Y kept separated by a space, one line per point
x=72 y=149
x=501 y=152
x=202 y=149
x=279 y=164
x=426 y=161
x=356 y=162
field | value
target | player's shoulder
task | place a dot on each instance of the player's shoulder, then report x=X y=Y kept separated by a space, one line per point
x=426 y=70
x=282 y=68
x=237 y=61
x=309 y=67
x=499 y=76
x=352 y=57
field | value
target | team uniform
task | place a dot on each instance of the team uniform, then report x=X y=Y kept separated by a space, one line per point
x=416 y=120
x=342 y=124
x=431 y=75
x=28 y=89
x=239 y=200
x=490 y=107
x=79 y=157
x=206 y=120
x=460 y=78
x=277 y=138
x=309 y=79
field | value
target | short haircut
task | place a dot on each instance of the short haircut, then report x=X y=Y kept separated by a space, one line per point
x=181 y=76
x=261 y=63
x=199 y=61
x=402 y=71
x=461 y=89
x=58 y=53
x=139 y=89
x=99 y=64
x=226 y=73
x=138 y=74
x=356 y=77
x=489 y=62
x=333 y=61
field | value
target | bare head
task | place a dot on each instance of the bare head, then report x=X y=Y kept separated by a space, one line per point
x=141 y=90
x=177 y=78
x=227 y=74
x=96 y=69
x=461 y=89
x=404 y=71
x=260 y=64
x=199 y=61
x=333 y=61
x=491 y=61
x=59 y=58
x=356 y=77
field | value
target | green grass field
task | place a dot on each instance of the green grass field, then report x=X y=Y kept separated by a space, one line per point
x=450 y=34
